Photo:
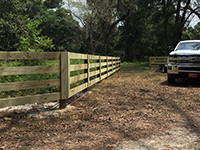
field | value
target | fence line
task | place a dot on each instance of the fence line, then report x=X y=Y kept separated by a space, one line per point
x=161 y=60
x=96 y=68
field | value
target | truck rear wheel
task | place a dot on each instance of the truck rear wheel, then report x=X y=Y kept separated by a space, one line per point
x=170 y=79
x=163 y=69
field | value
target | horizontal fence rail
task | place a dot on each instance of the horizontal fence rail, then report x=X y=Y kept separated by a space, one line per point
x=74 y=77
x=157 y=61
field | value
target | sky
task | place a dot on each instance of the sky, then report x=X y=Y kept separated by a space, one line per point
x=75 y=10
x=194 y=21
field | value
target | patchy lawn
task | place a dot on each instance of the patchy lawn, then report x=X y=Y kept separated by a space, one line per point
x=130 y=105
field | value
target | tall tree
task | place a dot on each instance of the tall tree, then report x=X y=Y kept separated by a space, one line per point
x=12 y=23
x=192 y=33
x=136 y=39
x=178 y=14
x=100 y=25
x=154 y=25
x=34 y=7
x=17 y=31
x=60 y=26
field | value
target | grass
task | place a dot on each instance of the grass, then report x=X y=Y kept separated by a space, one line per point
x=134 y=65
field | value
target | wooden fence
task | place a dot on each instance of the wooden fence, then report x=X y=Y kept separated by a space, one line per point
x=105 y=66
x=157 y=61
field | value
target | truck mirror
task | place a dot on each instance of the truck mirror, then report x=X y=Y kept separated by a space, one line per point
x=169 y=49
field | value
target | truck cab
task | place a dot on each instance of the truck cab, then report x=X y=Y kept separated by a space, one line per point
x=184 y=61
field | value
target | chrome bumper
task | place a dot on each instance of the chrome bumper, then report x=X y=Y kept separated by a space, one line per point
x=188 y=68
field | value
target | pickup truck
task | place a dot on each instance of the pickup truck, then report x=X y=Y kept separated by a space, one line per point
x=184 y=61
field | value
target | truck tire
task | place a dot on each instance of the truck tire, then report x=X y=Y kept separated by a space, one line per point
x=163 y=69
x=170 y=79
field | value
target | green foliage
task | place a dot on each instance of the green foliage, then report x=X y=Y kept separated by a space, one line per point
x=34 y=7
x=136 y=40
x=60 y=26
x=151 y=26
x=196 y=31
x=186 y=35
x=12 y=23
x=32 y=41
x=17 y=31
x=127 y=66
x=53 y=3
x=191 y=33
x=131 y=29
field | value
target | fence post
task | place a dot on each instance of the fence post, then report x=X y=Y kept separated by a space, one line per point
x=87 y=61
x=99 y=68
x=65 y=78
x=112 y=65
x=150 y=62
x=88 y=70
x=107 y=64
x=119 y=63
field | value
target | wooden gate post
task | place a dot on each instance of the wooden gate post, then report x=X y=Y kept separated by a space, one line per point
x=107 y=64
x=87 y=61
x=99 y=68
x=65 y=78
x=112 y=65
x=150 y=62
x=88 y=71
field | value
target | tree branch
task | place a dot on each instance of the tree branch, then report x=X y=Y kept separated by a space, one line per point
x=193 y=11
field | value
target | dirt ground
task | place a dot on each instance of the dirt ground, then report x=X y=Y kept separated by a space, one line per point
x=132 y=105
